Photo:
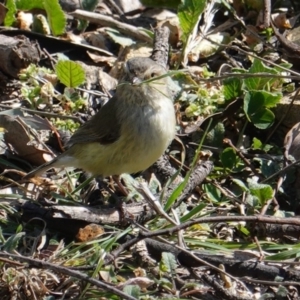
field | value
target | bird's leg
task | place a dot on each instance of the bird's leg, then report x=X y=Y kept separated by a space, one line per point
x=122 y=188
x=124 y=215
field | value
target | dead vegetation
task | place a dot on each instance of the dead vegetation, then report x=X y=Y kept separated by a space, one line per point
x=216 y=216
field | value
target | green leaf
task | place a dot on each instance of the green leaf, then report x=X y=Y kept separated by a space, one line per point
x=241 y=184
x=252 y=102
x=255 y=107
x=132 y=290
x=70 y=73
x=189 y=13
x=161 y=3
x=193 y=212
x=10 y=15
x=89 y=5
x=56 y=17
x=212 y=192
x=29 y=4
x=40 y=24
x=2 y=238
x=183 y=184
x=263 y=119
x=168 y=262
x=171 y=200
x=269 y=167
x=215 y=136
x=232 y=88
x=286 y=65
x=259 y=83
x=255 y=100
x=284 y=255
x=228 y=158
x=244 y=230
x=119 y=38
x=9 y=163
x=12 y=242
x=262 y=192
x=258 y=145
x=271 y=99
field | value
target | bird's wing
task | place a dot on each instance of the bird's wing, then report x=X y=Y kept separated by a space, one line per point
x=103 y=127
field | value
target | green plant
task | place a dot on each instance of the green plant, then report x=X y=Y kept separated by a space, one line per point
x=55 y=15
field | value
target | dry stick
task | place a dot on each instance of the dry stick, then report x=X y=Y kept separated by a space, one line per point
x=267 y=13
x=247 y=75
x=161 y=46
x=257 y=57
x=44 y=113
x=262 y=59
x=51 y=59
x=221 y=291
x=110 y=22
x=288 y=45
x=240 y=154
x=41 y=264
x=116 y=7
x=169 y=231
x=259 y=248
x=257 y=218
x=268 y=283
x=196 y=258
x=205 y=263
x=268 y=203
x=294 y=47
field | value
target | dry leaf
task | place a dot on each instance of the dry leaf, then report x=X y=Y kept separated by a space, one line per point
x=206 y=48
x=98 y=39
x=89 y=232
x=280 y=21
x=174 y=27
x=109 y=60
x=16 y=135
x=142 y=282
x=251 y=35
x=24 y=20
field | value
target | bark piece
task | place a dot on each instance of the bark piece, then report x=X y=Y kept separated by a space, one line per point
x=16 y=53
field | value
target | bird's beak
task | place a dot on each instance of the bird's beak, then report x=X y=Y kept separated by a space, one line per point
x=135 y=80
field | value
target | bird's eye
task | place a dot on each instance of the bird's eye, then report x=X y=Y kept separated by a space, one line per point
x=153 y=75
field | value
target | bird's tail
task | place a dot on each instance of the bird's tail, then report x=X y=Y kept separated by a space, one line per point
x=42 y=169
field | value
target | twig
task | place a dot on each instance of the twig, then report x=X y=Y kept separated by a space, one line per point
x=268 y=62
x=267 y=13
x=161 y=46
x=169 y=231
x=110 y=22
x=281 y=171
x=268 y=283
x=221 y=291
x=246 y=75
x=115 y=7
x=44 y=113
x=257 y=218
x=41 y=264
x=240 y=154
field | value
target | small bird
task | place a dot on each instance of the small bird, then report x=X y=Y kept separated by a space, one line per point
x=130 y=132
